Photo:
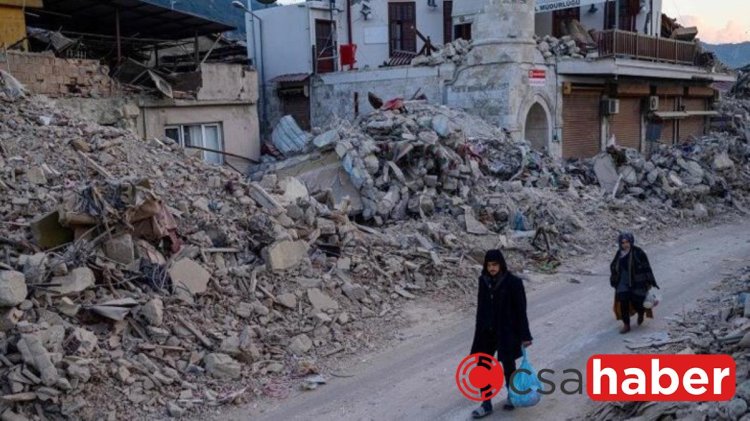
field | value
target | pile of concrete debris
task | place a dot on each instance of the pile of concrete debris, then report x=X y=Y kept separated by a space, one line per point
x=552 y=47
x=720 y=325
x=741 y=88
x=693 y=176
x=452 y=52
x=136 y=277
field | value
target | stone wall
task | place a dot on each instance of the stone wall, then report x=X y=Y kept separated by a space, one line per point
x=43 y=73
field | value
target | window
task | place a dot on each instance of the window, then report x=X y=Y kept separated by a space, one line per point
x=560 y=19
x=463 y=31
x=402 y=27
x=325 y=46
x=207 y=136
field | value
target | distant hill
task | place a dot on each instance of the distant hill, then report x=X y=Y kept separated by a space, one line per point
x=218 y=10
x=733 y=55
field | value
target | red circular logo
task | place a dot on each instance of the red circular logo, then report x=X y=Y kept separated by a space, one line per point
x=479 y=377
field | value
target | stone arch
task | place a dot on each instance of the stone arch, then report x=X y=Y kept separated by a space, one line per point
x=537 y=125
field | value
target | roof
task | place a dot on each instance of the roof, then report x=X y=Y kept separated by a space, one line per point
x=138 y=18
x=291 y=78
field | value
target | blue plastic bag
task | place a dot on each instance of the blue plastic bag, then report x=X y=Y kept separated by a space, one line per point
x=527 y=383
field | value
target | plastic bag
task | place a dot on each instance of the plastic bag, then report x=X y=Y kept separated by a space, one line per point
x=652 y=299
x=527 y=383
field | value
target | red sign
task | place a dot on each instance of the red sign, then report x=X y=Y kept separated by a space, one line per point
x=537 y=77
x=672 y=378
x=479 y=377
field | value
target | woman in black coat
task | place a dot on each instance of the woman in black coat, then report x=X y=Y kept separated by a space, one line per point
x=502 y=325
x=631 y=277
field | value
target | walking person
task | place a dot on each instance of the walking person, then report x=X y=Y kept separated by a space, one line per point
x=631 y=277
x=501 y=325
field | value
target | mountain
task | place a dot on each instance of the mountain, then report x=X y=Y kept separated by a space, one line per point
x=218 y=10
x=733 y=55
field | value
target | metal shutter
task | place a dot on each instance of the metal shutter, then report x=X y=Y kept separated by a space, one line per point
x=298 y=106
x=581 y=125
x=626 y=125
x=667 y=131
x=693 y=126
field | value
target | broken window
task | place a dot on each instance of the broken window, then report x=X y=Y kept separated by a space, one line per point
x=325 y=46
x=463 y=31
x=207 y=136
x=402 y=23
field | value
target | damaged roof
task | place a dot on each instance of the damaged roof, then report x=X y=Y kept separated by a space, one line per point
x=138 y=19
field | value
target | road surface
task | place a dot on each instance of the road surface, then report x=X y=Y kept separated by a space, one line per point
x=569 y=321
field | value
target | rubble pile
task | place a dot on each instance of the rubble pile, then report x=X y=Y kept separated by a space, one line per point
x=552 y=47
x=741 y=88
x=697 y=175
x=720 y=325
x=137 y=278
x=452 y=52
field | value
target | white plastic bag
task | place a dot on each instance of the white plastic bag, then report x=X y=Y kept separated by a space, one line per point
x=652 y=299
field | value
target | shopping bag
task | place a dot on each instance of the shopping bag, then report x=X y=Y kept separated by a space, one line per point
x=652 y=300
x=526 y=385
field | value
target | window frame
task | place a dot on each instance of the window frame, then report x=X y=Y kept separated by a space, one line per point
x=181 y=134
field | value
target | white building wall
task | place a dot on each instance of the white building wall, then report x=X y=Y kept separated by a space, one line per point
x=287 y=46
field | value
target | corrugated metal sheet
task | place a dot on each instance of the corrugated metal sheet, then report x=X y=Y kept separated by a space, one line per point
x=287 y=137
x=667 y=131
x=693 y=126
x=12 y=25
x=581 y=125
x=626 y=125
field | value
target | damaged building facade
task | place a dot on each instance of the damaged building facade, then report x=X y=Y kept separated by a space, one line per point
x=159 y=72
x=566 y=79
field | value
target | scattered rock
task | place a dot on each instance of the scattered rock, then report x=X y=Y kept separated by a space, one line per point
x=13 y=289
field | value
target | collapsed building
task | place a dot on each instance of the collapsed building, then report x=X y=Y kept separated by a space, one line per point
x=567 y=79
x=157 y=71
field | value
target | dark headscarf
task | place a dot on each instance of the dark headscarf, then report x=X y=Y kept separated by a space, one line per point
x=625 y=235
x=495 y=256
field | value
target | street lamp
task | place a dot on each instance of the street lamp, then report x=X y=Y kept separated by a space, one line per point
x=256 y=60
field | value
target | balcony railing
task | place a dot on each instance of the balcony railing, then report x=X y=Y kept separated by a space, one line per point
x=617 y=43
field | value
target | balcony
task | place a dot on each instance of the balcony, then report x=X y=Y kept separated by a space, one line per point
x=623 y=44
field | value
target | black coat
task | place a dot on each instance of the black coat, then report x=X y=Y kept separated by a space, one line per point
x=501 y=311
x=641 y=276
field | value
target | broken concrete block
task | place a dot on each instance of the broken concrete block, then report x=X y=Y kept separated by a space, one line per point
x=330 y=137
x=78 y=280
x=428 y=137
x=174 y=410
x=285 y=254
x=287 y=300
x=265 y=200
x=83 y=342
x=13 y=289
x=222 y=366
x=34 y=267
x=326 y=226
x=48 y=232
x=67 y=307
x=700 y=211
x=33 y=353
x=722 y=162
x=606 y=172
x=294 y=189
x=287 y=137
x=629 y=175
x=120 y=249
x=153 y=312
x=354 y=292
x=189 y=278
x=201 y=204
x=300 y=344
x=473 y=226
x=441 y=126
x=80 y=372
x=320 y=300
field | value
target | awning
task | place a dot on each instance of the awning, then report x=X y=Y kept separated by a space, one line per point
x=703 y=113
x=291 y=78
x=138 y=19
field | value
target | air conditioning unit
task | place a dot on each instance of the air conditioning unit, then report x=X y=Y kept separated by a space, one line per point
x=611 y=106
x=653 y=103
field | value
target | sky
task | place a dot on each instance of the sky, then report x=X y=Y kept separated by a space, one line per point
x=718 y=21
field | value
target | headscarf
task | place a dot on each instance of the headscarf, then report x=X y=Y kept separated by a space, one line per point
x=625 y=235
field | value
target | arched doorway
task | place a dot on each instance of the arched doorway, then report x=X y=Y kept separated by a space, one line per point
x=537 y=127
